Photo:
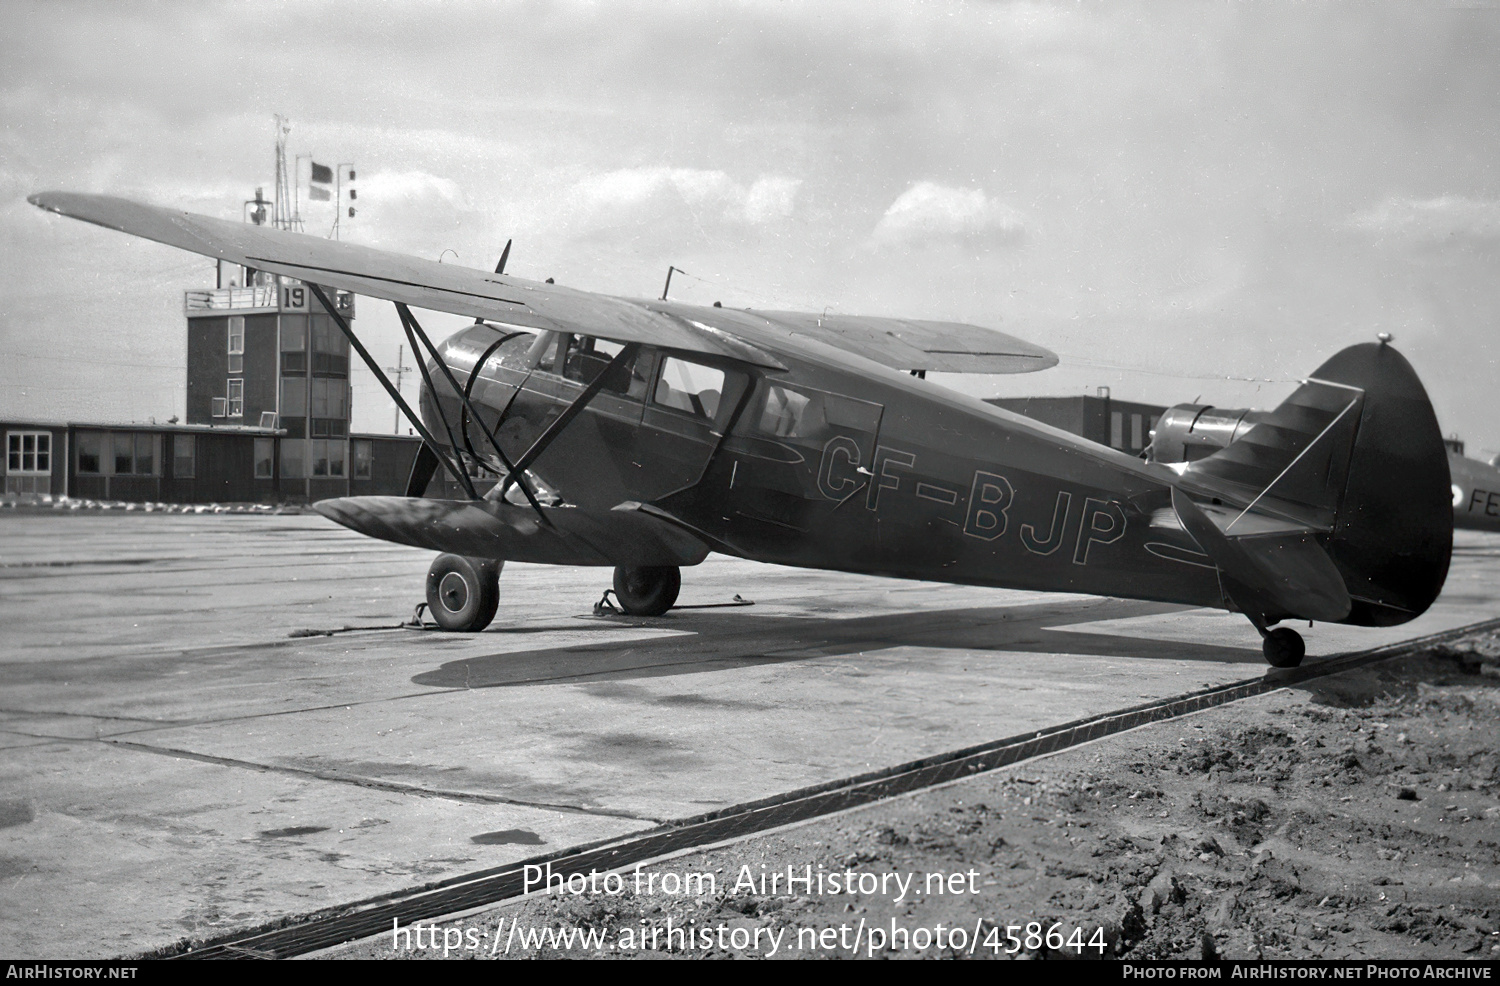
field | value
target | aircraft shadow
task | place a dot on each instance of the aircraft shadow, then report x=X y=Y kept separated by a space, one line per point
x=734 y=639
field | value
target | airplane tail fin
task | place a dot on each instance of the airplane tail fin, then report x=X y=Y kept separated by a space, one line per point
x=1348 y=477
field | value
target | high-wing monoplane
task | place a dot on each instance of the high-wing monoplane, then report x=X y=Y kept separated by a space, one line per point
x=644 y=434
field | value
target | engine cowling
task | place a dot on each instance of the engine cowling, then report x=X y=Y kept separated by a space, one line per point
x=1189 y=432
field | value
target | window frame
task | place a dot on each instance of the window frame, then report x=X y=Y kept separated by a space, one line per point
x=270 y=459
x=36 y=452
x=191 y=457
x=235 y=406
x=356 y=446
x=658 y=379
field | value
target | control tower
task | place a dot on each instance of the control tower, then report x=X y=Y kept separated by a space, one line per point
x=259 y=357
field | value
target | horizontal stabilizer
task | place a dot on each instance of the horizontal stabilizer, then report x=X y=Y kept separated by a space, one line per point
x=1271 y=576
x=488 y=529
x=1294 y=462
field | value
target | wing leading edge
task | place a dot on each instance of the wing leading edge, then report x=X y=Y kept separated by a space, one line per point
x=745 y=336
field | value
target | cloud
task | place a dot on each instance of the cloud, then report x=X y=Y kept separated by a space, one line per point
x=410 y=211
x=930 y=213
x=1448 y=219
x=634 y=197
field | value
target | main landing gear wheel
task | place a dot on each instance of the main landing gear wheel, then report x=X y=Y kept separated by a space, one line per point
x=647 y=591
x=462 y=593
x=1283 y=648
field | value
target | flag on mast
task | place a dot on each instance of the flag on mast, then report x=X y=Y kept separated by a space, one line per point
x=322 y=174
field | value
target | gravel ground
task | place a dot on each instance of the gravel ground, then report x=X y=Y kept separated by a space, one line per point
x=1356 y=816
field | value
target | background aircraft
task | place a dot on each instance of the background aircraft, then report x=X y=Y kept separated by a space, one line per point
x=644 y=434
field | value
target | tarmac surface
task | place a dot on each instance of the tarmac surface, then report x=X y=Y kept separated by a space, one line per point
x=179 y=757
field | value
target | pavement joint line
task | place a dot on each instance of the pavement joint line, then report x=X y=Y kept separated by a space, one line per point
x=394 y=787
x=292 y=936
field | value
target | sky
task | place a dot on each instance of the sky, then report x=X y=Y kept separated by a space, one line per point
x=1185 y=201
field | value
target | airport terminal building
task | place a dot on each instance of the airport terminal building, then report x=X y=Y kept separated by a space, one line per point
x=268 y=412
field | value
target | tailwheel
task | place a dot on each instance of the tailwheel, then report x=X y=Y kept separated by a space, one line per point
x=1283 y=648
x=648 y=591
x=462 y=593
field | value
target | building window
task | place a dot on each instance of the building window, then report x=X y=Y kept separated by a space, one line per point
x=330 y=399
x=29 y=452
x=1135 y=432
x=293 y=458
x=184 y=456
x=1116 y=429
x=330 y=348
x=124 y=446
x=363 y=451
x=237 y=335
x=293 y=397
x=28 y=462
x=90 y=452
x=236 y=363
x=293 y=344
x=265 y=449
x=236 y=399
x=119 y=453
x=327 y=457
x=220 y=407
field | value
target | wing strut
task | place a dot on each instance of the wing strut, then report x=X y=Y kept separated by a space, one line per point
x=625 y=355
x=411 y=416
x=427 y=380
x=411 y=325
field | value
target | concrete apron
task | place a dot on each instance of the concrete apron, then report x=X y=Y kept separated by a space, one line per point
x=173 y=763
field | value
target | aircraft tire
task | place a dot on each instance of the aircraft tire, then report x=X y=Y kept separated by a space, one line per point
x=647 y=591
x=463 y=593
x=1283 y=648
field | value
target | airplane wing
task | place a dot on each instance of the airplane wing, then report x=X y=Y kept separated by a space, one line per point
x=742 y=335
x=625 y=535
x=394 y=277
x=906 y=344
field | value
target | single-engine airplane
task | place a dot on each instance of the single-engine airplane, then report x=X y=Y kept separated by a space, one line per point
x=645 y=434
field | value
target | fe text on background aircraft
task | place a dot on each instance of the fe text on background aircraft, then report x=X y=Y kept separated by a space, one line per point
x=645 y=434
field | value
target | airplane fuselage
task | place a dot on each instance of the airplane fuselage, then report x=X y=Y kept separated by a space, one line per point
x=859 y=469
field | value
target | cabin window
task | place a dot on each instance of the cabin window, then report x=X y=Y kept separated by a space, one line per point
x=588 y=357
x=690 y=387
x=184 y=456
x=789 y=414
x=265 y=450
